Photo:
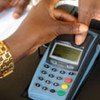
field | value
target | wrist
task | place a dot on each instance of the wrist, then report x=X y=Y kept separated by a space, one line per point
x=19 y=45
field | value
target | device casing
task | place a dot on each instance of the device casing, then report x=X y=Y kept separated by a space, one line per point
x=91 y=51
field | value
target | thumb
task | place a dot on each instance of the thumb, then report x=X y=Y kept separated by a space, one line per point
x=83 y=18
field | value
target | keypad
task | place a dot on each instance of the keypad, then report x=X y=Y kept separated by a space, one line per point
x=60 y=81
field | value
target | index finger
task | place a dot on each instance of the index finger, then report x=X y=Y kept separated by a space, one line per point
x=20 y=7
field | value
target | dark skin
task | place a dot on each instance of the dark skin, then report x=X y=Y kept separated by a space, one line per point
x=36 y=31
x=20 y=6
x=88 y=9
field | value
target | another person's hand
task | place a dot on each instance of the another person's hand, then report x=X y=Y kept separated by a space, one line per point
x=4 y=4
x=41 y=27
x=19 y=5
x=88 y=9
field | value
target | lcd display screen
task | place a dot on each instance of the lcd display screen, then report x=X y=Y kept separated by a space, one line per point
x=66 y=53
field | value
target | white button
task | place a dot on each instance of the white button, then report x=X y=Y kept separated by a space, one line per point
x=70 y=67
x=53 y=62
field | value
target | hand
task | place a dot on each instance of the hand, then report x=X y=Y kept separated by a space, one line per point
x=19 y=5
x=41 y=27
x=4 y=4
x=88 y=9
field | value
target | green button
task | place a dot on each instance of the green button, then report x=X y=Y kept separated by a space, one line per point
x=61 y=93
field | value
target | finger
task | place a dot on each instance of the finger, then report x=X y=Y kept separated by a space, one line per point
x=84 y=16
x=4 y=5
x=71 y=28
x=14 y=2
x=62 y=15
x=20 y=7
x=79 y=39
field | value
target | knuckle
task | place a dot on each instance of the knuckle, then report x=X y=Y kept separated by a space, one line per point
x=61 y=17
x=73 y=28
x=63 y=28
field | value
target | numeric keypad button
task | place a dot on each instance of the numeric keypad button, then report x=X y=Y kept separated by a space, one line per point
x=52 y=91
x=37 y=84
x=43 y=72
x=62 y=72
x=45 y=88
x=54 y=69
x=56 y=84
x=48 y=82
x=71 y=73
x=46 y=66
x=51 y=75
x=59 y=78
x=41 y=78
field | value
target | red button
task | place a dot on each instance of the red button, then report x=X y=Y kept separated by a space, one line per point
x=68 y=80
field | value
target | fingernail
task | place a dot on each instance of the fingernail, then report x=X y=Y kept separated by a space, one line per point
x=79 y=39
x=16 y=15
x=83 y=28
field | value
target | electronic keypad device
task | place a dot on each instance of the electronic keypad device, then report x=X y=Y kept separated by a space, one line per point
x=64 y=68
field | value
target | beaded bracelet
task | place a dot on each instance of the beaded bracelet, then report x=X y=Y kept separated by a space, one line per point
x=6 y=61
